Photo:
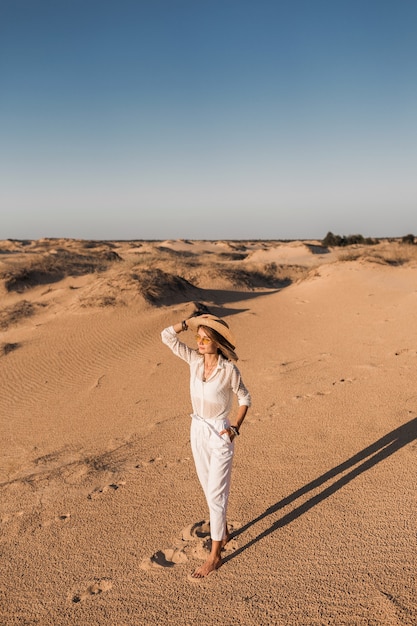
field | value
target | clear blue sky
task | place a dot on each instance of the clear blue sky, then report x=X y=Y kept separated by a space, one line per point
x=208 y=119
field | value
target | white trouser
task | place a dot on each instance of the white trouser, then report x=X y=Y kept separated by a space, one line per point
x=213 y=456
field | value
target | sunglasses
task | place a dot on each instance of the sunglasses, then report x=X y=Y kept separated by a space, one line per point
x=204 y=340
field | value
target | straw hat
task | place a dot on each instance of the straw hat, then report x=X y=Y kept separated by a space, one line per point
x=213 y=322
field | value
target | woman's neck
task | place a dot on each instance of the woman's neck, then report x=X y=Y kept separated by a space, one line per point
x=210 y=360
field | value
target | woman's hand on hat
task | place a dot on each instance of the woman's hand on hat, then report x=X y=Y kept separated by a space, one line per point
x=191 y=320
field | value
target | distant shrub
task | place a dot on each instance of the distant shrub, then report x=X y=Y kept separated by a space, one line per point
x=408 y=239
x=340 y=241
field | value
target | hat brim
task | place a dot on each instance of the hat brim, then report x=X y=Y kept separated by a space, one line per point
x=212 y=322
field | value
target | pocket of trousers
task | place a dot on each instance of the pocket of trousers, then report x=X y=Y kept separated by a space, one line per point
x=219 y=441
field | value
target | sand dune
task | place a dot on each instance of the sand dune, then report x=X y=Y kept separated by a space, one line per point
x=102 y=518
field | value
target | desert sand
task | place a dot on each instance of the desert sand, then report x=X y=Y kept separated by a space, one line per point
x=102 y=516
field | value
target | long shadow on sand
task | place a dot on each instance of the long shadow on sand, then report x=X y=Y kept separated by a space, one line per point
x=368 y=457
x=225 y=296
x=213 y=297
x=216 y=301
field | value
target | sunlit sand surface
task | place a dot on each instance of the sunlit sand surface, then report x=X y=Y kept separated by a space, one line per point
x=102 y=517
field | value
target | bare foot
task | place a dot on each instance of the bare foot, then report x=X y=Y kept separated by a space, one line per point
x=207 y=568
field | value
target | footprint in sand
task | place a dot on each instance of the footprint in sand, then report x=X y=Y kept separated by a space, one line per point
x=194 y=543
x=153 y=461
x=101 y=490
x=199 y=530
x=343 y=380
x=61 y=519
x=95 y=589
x=201 y=533
x=164 y=558
x=405 y=351
x=8 y=517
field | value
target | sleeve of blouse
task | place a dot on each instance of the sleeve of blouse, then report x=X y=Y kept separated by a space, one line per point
x=170 y=338
x=238 y=386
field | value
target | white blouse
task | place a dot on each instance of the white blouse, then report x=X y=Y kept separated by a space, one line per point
x=212 y=399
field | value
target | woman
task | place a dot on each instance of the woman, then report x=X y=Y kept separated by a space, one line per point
x=214 y=381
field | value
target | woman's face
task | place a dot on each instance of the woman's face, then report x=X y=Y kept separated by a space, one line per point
x=204 y=343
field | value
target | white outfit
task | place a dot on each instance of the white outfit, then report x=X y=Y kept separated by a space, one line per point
x=212 y=402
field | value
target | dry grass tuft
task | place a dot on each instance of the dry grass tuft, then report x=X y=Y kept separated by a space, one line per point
x=158 y=287
x=395 y=254
x=15 y=313
x=99 y=301
x=250 y=278
x=5 y=348
x=53 y=267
